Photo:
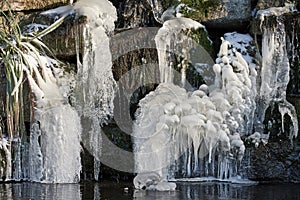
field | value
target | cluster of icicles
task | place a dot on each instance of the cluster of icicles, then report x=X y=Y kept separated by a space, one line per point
x=179 y=133
x=52 y=154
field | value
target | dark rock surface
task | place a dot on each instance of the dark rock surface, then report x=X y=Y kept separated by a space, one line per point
x=22 y=5
x=278 y=161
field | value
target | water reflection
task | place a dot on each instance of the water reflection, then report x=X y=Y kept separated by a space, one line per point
x=40 y=191
x=124 y=191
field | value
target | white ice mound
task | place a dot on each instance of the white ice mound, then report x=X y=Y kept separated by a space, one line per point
x=98 y=12
x=152 y=181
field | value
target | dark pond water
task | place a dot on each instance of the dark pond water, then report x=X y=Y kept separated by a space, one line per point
x=118 y=191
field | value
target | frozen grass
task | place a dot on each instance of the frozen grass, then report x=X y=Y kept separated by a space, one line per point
x=22 y=58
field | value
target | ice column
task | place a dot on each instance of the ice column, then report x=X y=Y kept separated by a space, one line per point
x=275 y=66
x=95 y=83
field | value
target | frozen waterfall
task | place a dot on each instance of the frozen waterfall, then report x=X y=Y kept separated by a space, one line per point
x=95 y=83
x=178 y=133
x=171 y=41
x=52 y=154
x=275 y=68
x=188 y=134
x=54 y=150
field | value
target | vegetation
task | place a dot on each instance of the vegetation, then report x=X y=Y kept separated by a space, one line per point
x=195 y=9
x=199 y=9
x=18 y=52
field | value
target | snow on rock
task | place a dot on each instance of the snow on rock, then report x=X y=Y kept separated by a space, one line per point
x=273 y=11
x=242 y=43
x=60 y=11
x=34 y=27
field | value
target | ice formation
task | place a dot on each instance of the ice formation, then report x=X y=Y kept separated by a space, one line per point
x=53 y=153
x=54 y=150
x=182 y=134
x=5 y=166
x=95 y=79
x=275 y=68
x=152 y=181
x=157 y=10
x=170 y=42
x=95 y=83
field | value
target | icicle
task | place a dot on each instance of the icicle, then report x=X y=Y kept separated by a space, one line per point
x=96 y=169
x=7 y=160
x=156 y=9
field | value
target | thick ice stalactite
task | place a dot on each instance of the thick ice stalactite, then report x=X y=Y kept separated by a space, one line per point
x=275 y=67
x=95 y=80
x=54 y=150
x=95 y=84
x=196 y=134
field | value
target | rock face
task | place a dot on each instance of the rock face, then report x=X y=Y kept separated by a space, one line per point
x=292 y=23
x=215 y=13
x=133 y=14
x=264 y=4
x=278 y=161
x=63 y=40
x=230 y=14
x=22 y=5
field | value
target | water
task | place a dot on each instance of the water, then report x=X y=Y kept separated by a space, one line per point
x=115 y=191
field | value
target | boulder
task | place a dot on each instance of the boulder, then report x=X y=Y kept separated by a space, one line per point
x=26 y=5
x=218 y=13
x=264 y=4
x=229 y=15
